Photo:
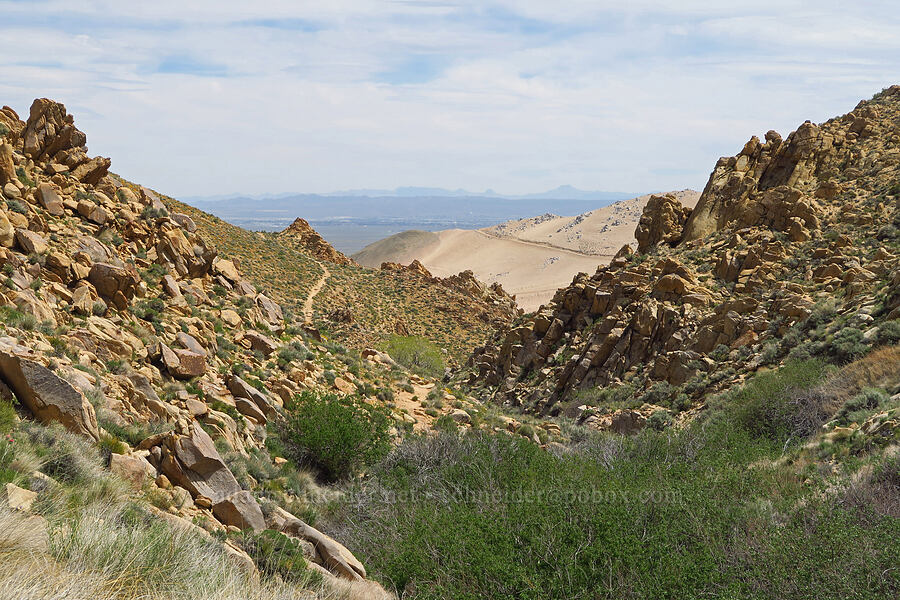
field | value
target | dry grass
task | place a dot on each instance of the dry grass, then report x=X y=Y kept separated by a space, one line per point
x=880 y=368
x=103 y=555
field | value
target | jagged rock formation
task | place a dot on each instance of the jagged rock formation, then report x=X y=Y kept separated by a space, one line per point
x=308 y=240
x=780 y=229
x=662 y=221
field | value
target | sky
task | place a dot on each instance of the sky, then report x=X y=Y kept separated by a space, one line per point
x=203 y=97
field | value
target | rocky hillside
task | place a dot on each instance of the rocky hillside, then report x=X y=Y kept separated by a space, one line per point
x=124 y=324
x=793 y=249
x=308 y=240
x=358 y=306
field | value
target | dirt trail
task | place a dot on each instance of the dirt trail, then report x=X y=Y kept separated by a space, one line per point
x=308 y=305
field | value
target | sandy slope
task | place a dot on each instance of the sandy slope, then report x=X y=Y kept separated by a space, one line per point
x=602 y=231
x=531 y=258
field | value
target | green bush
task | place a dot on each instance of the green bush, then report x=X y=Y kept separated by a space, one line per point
x=778 y=405
x=848 y=344
x=673 y=514
x=416 y=354
x=859 y=406
x=335 y=435
x=276 y=554
x=889 y=332
x=659 y=420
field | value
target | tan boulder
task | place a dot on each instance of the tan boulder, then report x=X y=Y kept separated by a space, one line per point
x=92 y=171
x=661 y=222
x=240 y=510
x=7 y=166
x=17 y=498
x=50 y=200
x=260 y=342
x=271 y=311
x=133 y=469
x=7 y=231
x=230 y=318
x=109 y=279
x=48 y=397
x=31 y=242
x=50 y=129
x=335 y=557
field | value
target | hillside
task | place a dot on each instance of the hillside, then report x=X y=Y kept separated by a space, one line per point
x=531 y=258
x=192 y=410
x=151 y=381
x=791 y=251
x=359 y=306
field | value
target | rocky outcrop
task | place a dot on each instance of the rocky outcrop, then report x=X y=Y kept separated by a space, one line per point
x=193 y=462
x=308 y=240
x=49 y=398
x=661 y=222
x=780 y=225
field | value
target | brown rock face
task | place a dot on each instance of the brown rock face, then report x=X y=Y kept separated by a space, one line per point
x=50 y=200
x=662 y=222
x=49 y=398
x=7 y=166
x=50 y=129
x=110 y=279
x=241 y=510
x=307 y=239
x=195 y=464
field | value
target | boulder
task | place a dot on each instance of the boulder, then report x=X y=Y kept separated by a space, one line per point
x=31 y=242
x=109 y=279
x=50 y=200
x=248 y=408
x=240 y=510
x=226 y=269
x=17 y=498
x=196 y=465
x=7 y=166
x=271 y=311
x=241 y=389
x=662 y=221
x=260 y=342
x=7 y=231
x=92 y=171
x=48 y=397
x=335 y=556
x=133 y=469
x=50 y=129
x=190 y=364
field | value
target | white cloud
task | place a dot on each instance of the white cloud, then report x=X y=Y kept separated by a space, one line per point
x=209 y=97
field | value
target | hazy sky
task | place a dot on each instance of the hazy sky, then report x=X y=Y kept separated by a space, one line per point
x=209 y=97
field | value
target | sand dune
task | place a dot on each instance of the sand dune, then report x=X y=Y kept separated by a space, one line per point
x=531 y=258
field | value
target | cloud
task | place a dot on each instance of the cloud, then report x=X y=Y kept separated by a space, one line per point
x=210 y=97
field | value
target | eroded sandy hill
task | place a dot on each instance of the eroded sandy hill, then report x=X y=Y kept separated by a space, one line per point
x=531 y=258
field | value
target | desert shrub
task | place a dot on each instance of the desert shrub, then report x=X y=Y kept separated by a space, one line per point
x=889 y=332
x=17 y=206
x=660 y=393
x=505 y=519
x=335 y=435
x=110 y=444
x=416 y=354
x=659 y=420
x=860 y=405
x=780 y=405
x=609 y=397
x=848 y=344
x=135 y=433
x=276 y=554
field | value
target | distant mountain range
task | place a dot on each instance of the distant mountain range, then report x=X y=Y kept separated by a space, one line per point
x=563 y=192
